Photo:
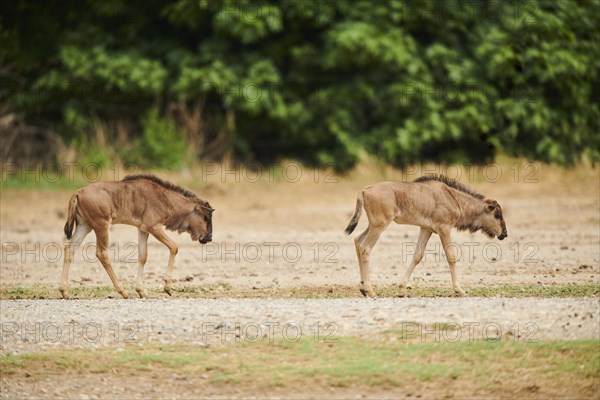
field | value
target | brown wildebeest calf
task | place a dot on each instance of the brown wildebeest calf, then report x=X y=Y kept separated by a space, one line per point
x=434 y=203
x=143 y=201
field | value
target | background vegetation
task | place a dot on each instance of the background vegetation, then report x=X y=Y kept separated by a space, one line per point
x=163 y=83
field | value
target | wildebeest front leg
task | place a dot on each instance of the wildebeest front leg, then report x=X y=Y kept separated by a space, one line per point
x=451 y=257
x=142 y=257
x=102 y=254
x=70 y=247
x=424 y=236
x=161 y=236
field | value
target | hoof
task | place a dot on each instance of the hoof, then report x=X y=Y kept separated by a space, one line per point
x=460 y=293
x=366 y=293
x=124 y=294
x=142 y=293
x=65 y=294
x=169 y=292
x=404 y=291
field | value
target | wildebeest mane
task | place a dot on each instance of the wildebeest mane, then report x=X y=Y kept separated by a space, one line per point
x=451 y=183
x=163 y=183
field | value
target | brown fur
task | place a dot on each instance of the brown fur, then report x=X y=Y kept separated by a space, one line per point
x=452 y=183
x=163 y=183
x=434 y=203
x=144 y=201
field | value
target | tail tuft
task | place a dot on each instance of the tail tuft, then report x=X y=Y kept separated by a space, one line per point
x=69 y=229
x=351 y=226
x=70 y=224
x=357 y=211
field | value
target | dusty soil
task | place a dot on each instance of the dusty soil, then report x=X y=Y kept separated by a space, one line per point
x=31 y=326
x=285 y=235
x=291 y=234
x=37 y=325
x=158 y=385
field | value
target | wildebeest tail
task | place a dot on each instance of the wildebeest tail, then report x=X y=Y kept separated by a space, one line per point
x=70 y=224
x=357 y=211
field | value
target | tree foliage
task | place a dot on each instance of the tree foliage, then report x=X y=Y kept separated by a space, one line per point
x=321 y=81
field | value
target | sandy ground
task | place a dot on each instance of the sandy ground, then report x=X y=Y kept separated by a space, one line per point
x=291 y=234
x=38 y=325
x=286 y=235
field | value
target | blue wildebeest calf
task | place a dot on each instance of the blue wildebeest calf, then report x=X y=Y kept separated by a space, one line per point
x=434 y=203
x=144 y=201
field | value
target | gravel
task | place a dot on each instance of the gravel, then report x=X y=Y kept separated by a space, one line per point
x=36 y=325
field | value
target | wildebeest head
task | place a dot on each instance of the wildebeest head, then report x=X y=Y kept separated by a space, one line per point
x=200 y=222
x=493 y=220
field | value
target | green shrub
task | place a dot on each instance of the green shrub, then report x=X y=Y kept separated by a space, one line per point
x=162 y=144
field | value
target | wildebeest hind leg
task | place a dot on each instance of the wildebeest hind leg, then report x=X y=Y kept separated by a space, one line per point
x=364 y=248
x=357 y=245
x=142 y=257
x=102 y=254
x=80 y=233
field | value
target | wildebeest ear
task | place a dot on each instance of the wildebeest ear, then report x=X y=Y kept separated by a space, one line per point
x=203 y=206
x=490 y=205
x=207 y=206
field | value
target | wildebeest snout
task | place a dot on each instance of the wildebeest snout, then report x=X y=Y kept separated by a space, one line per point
x=503 y=235
x=205 y=239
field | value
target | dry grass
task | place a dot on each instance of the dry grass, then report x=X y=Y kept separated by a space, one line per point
x=223 y=290
x=466 y=369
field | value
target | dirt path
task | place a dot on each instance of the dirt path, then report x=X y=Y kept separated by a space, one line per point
x=34 y=325
x=271 y=241
x=282 y=235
